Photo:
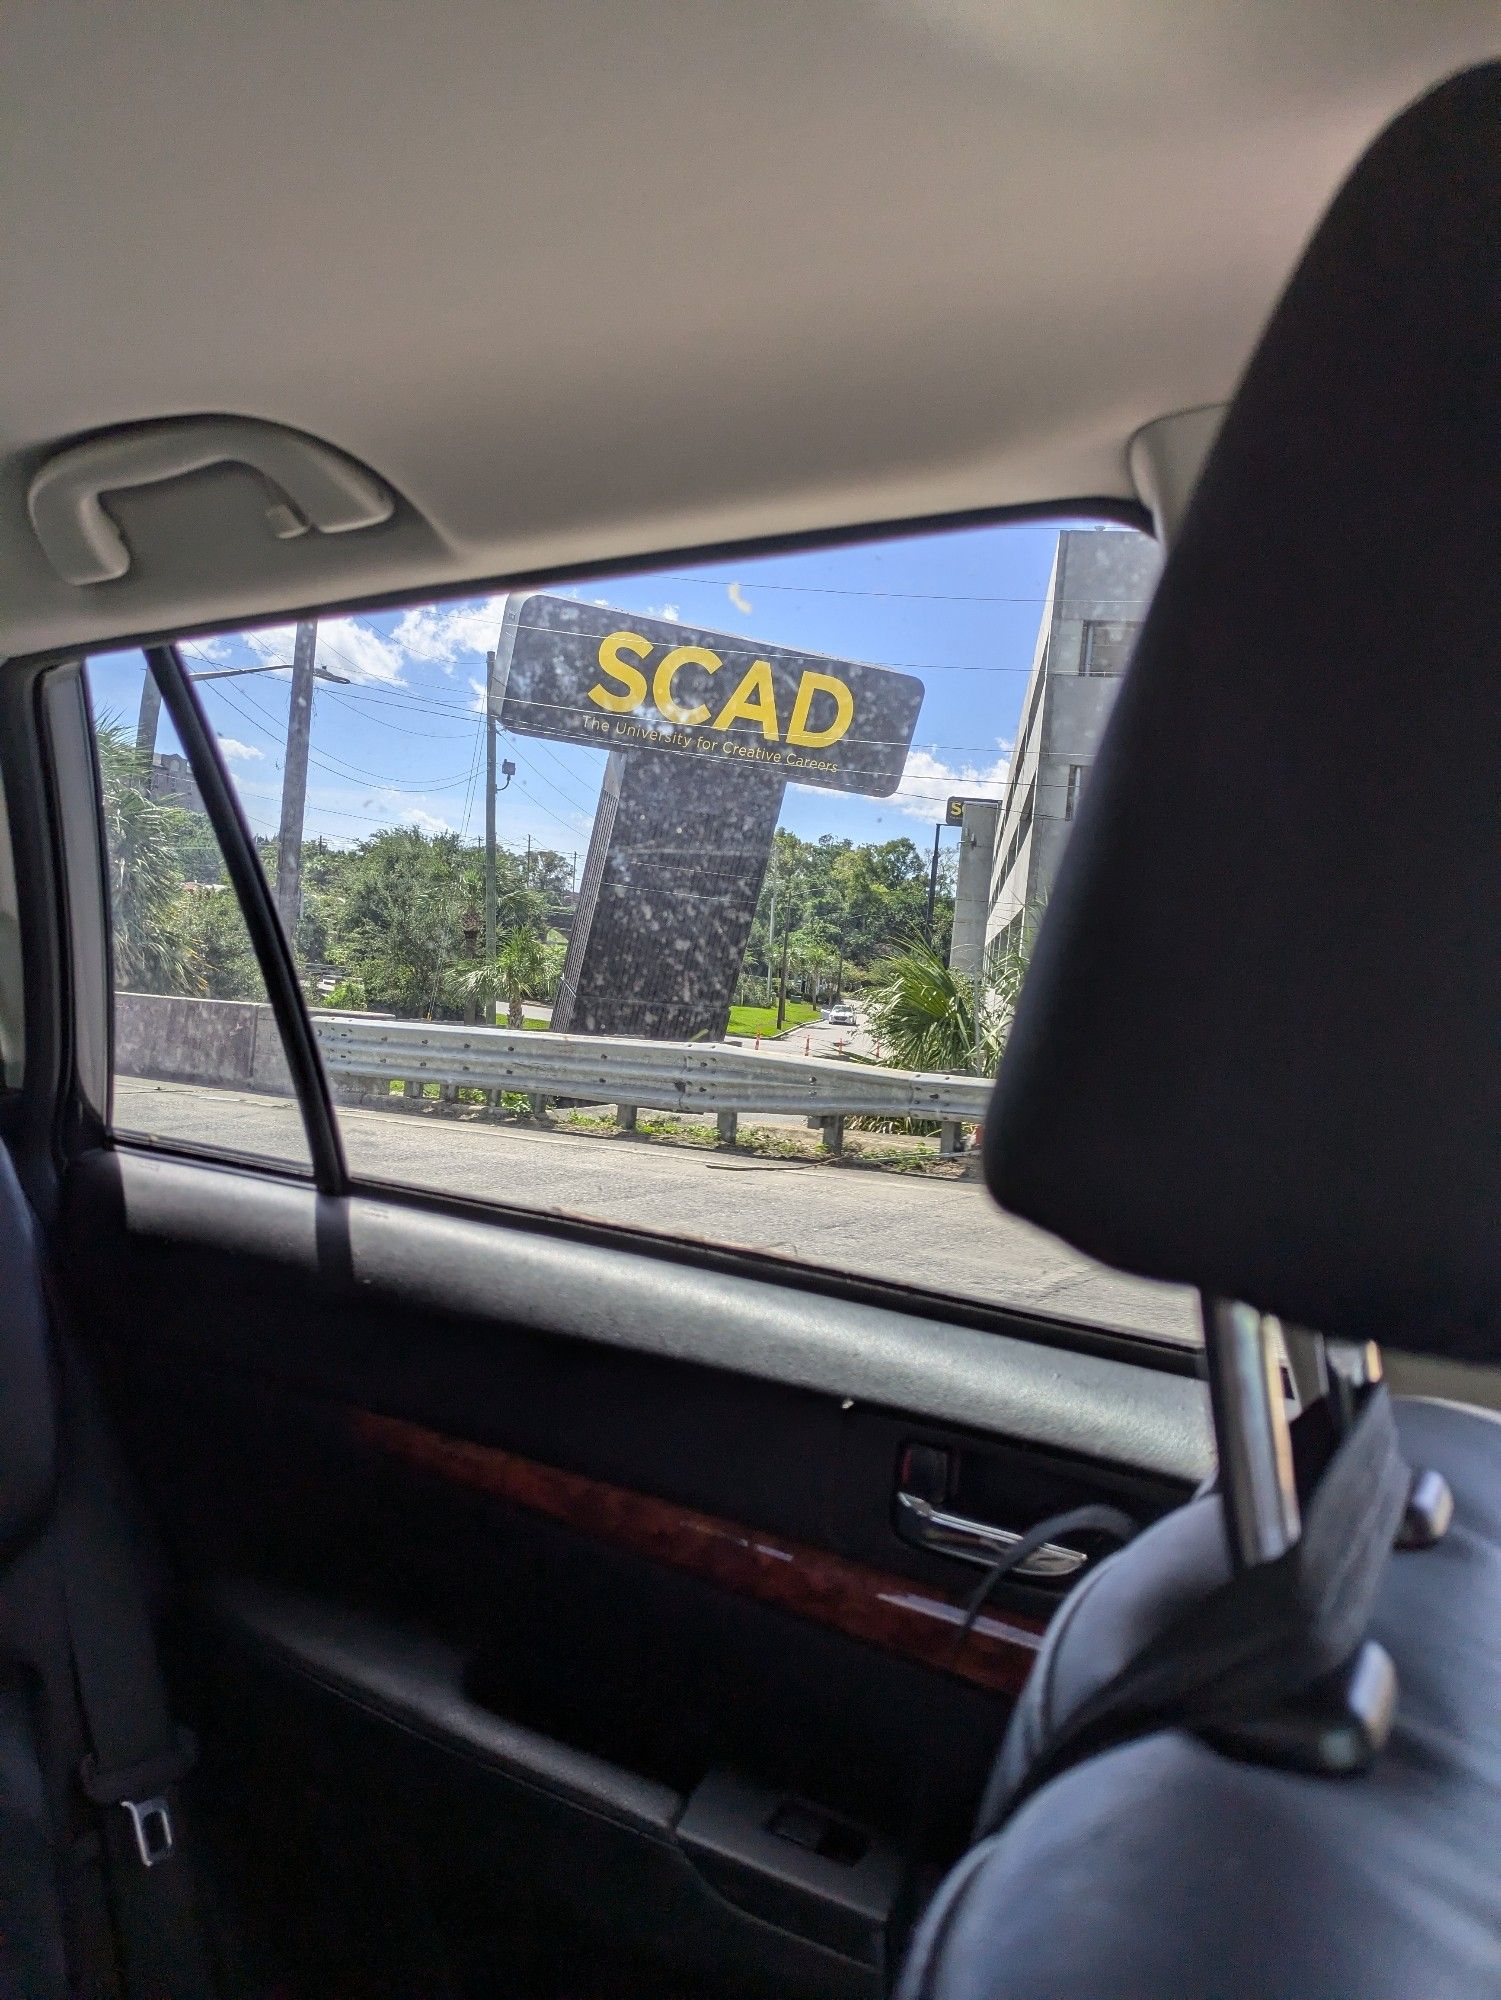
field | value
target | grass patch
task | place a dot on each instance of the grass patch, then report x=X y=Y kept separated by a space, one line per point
x=775 y=1142
x=751 y=1021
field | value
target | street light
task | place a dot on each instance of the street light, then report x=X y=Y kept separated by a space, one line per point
x=275 y=667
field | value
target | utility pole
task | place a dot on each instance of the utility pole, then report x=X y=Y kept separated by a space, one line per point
x=771 y=934
x=151 y=708
x=782 y=985
x=490 y=821
x=294 y=779
x=932 y=885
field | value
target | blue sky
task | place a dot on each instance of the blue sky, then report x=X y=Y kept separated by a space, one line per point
x=401 y=744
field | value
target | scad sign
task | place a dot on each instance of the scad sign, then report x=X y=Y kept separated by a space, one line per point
x=584 y=673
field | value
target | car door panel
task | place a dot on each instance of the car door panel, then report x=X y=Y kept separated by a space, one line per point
x=587 y=1550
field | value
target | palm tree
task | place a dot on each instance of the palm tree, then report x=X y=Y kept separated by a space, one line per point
x=153 y=952
x=523 y=967
x=924 y=1011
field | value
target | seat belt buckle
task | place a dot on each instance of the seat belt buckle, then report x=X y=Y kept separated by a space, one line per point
x=151 y=1823
x=140 y=1791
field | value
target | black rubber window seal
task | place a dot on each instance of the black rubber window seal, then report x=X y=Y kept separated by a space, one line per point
x=269 y=941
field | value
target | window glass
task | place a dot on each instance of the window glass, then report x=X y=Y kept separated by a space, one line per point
x=197 y=1055
x=770 y=839
x=1106 y=646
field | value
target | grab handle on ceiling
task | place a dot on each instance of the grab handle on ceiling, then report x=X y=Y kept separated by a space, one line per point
x=312 y=486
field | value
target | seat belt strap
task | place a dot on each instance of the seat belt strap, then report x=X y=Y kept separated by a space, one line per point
x=137 y=1754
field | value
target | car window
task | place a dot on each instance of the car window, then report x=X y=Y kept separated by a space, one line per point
x=698 y=899
x=198 y=1057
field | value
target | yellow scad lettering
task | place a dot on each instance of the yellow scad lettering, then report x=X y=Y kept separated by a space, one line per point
x=810 y=685
x=631 y=678
x=754 y=700
x=662 y=679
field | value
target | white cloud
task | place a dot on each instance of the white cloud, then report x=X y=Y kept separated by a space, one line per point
x=667 y=611
x=477 y=706
x=738 y=598
x=345 y=646
x=425 y=822
x=208 y=649
x=234 y=749
x=927 y=782
x=446 y=633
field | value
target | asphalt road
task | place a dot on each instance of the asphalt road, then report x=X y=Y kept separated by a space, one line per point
x=944 y=1234
x=826 y=1040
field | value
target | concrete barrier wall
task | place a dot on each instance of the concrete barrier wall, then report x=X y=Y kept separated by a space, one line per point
x=229 y=1043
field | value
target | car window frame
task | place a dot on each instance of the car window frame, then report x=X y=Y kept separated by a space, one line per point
x=332 y=1173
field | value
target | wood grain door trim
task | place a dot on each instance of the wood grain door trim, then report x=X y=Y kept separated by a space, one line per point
x=905 y=1618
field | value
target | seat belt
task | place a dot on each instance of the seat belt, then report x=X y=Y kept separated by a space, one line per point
x=137 y=1755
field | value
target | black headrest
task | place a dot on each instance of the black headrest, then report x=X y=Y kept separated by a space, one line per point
x=1259 y=1049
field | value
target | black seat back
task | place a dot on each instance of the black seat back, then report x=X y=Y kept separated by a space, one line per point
x=1258 y=1053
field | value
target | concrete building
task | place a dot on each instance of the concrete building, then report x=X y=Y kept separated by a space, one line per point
x=1101 y=584
x=972 y=886
x=172 y=782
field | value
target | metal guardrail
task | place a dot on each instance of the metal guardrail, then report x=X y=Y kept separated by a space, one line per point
x=707 y=1077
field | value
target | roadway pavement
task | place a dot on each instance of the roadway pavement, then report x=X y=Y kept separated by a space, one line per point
x=824 y=1039
x=944 y=1234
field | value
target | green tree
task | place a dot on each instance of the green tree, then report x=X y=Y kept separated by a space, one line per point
x=868 y=898
x=143 y=837
x=525 y=967
x=924 y=1012
x=395 y=916
x=402 y=913
x=217 y=943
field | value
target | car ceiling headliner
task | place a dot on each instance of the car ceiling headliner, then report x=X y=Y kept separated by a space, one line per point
x=586 y=281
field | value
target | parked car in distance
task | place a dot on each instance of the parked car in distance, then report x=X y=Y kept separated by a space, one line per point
x=842 y=1015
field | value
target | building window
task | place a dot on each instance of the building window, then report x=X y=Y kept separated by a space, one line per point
x=1075 y=783
x=1106 y=651
x=1014 y=845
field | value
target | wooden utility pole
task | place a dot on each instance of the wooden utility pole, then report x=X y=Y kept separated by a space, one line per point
x=151 y=708
x=490 y=824
x=932 y=886
x=294 y=779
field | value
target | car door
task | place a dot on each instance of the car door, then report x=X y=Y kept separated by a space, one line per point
x=567 y=1599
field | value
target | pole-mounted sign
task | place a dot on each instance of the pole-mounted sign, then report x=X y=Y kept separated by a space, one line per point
x=585 y=673
x=954 y=812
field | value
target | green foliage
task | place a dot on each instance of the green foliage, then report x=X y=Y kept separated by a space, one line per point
x=763 y=1020
x=924 y=1013
x=217 y=943
x=524 y=967
x=397 y=917
x=153 y=951
x=839 y=906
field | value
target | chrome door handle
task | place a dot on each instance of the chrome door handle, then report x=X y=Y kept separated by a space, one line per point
x=929 y=1527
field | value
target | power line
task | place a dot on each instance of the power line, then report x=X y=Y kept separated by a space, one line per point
x=401 y=728
x=568 y=798
x=327 y=759
x=748 y=583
